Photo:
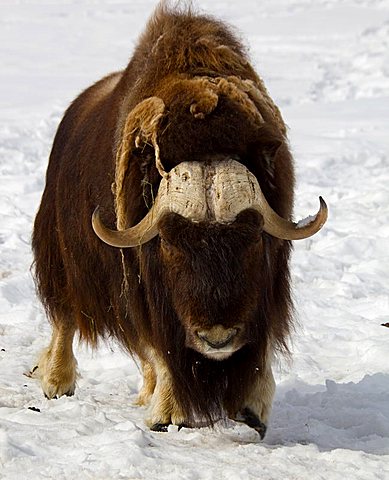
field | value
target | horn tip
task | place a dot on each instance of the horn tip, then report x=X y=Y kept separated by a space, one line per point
x=323 y=212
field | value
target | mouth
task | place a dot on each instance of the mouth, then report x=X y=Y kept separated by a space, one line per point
x=218 y=353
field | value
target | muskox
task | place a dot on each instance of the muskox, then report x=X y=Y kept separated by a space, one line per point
x=166 y=223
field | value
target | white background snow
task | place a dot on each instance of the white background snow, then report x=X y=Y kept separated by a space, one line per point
x=326 y=64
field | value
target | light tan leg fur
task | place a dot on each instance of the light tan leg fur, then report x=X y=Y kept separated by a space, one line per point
x=148 y=387
x=163 y=409
x=57 y=366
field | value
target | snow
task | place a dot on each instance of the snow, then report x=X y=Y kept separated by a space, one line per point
x=325 y=63
x=305 y=221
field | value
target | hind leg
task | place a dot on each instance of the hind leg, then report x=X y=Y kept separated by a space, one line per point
x=57 y=366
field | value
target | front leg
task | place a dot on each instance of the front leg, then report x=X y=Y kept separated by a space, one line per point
x=256 y=408
x=164 y=409
x=149 y=382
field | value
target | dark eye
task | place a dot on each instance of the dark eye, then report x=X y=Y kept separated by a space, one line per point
x=165 y=245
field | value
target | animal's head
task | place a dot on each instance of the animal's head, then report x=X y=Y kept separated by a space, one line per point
x=210 y=217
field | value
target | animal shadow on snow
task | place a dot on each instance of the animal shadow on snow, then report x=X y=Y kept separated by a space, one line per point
x=352 y=416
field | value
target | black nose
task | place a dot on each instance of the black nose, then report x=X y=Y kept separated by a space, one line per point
x=211 y=339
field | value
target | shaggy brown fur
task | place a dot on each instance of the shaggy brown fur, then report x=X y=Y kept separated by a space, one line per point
x=212 y=103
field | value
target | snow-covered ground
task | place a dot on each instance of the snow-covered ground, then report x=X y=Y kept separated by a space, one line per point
x=326 y=64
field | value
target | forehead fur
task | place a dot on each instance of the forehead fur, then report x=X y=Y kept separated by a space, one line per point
x=189 y=236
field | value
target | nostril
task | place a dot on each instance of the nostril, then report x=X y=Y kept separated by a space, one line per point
x=217 y=345
x=215 y=342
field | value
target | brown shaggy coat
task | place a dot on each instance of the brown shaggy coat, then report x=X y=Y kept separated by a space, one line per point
x=103 y=291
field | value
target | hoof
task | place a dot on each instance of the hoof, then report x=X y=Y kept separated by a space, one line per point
x=163 y=427
x=160 y=427
x=31 y=373
x=51 y=386
x=69 y=393
x=250 y=419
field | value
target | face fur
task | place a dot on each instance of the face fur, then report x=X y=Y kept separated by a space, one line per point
x=214 y=274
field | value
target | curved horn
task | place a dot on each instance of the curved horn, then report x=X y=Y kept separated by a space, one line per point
x=181 y=191
x=144 y=231
x=288 y=230
x=235 y=188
